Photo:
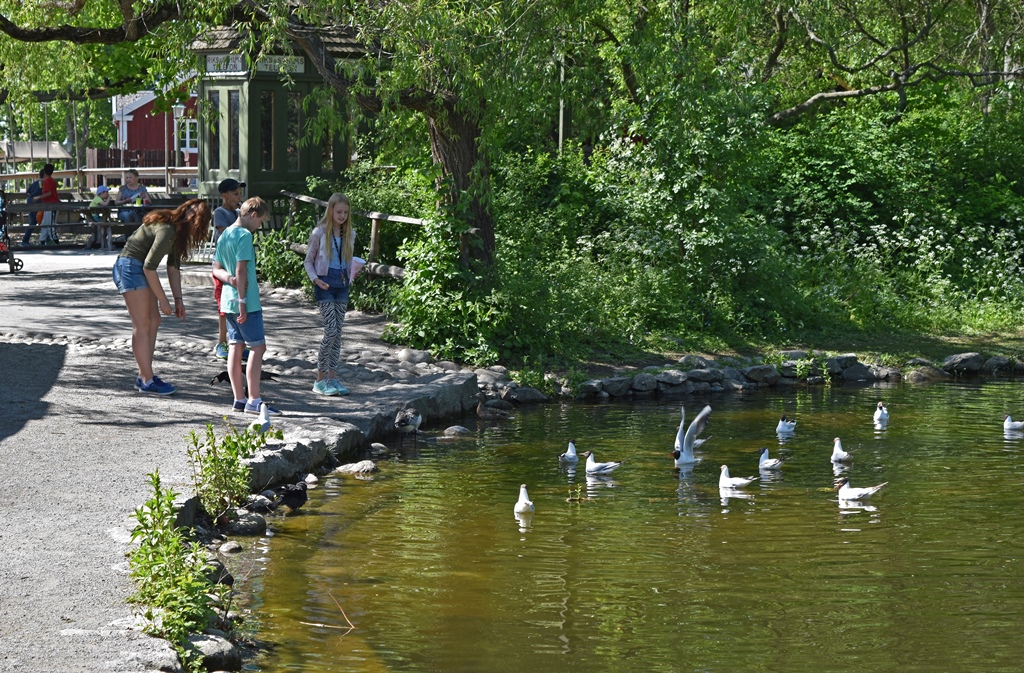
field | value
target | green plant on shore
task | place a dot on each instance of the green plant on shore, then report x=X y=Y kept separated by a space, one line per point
x=219 y=474
x=170 y=574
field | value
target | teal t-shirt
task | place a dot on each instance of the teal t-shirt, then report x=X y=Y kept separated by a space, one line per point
x=233 y=246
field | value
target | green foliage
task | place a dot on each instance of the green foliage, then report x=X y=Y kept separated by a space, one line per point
x=219 y=475
x=170 y=574
x=276 y=263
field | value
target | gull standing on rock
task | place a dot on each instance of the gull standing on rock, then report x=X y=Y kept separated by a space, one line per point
x=407 y=421
x=727 y=482
x=687 y=442
x=525 y=505
x=594 y=467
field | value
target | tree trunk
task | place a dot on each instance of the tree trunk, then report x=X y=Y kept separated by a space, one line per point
x=465 y=181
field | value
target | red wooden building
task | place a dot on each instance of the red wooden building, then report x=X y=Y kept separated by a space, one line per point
x=142 y=130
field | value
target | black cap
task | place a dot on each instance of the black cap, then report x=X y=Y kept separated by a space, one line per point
x=229 y=185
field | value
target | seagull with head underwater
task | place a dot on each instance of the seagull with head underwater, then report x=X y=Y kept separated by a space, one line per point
x=847 y=492
x=881 y=414
x=766 y=463
x=687 y=442
x=785 y=425
x=525 y=505
x=838 y=455
x=570 y=454
x=727 y=482
x=1010 y=424
x=594 y=467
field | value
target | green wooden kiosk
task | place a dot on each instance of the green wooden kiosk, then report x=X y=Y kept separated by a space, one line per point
x=259 y=134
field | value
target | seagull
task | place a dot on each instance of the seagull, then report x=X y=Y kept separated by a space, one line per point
x=687 y=442
x=838 y=455
x=1010 y=424
x=847 y=492
x=881 y=414
x=766 y=463
x=785 y=426
x=292 y=496
x=263 y=422
x=725 y=481
x=594 y=467
x=224 y=378
x=525 y=505
x=407 y=421
x=570 y=454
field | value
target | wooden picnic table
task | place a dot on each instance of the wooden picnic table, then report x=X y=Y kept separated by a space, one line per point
x=105 y=227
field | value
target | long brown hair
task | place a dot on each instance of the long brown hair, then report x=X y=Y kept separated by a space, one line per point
x=327 y=222
x=192 y=221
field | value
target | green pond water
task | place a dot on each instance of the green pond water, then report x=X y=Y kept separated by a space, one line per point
x=656 y=571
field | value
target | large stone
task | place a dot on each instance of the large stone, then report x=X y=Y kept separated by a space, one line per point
x=681 y=390
x=414 y=356
x=767 y=374
x=794 y=354
x=219 y=654
x=245 y=523
x=525 y=395
x=997 y=363
x=362 y=467
x=644 y=383
x=457 y=431
x=616 y=386
x=695 y=361
x=591 y=387
x=858 y=372
x=701 y=386
x=926 y=375
x=964 y=363
x=672 y=377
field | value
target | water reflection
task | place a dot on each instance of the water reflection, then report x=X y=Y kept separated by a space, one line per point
x=525 y=520
x=853 y=506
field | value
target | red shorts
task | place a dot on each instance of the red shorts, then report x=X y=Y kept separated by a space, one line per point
x=218 y=287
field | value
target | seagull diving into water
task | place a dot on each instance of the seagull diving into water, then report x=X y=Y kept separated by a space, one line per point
x=687 y=442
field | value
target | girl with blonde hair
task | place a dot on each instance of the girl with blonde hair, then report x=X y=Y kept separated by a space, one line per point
x=330 y=265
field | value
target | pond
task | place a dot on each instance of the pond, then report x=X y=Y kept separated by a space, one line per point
x=653 y=570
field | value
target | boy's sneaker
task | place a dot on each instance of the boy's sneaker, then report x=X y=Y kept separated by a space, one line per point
x=138 y=383
x=238 y=405
x=336 y=386
x=254 y=408
x=221 y=351
x=157 y=387
x=324 y=387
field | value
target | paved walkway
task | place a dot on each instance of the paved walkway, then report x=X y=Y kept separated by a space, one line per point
x=76 y=441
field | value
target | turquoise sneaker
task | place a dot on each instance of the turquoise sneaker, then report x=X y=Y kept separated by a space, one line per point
x=339 y=389
x=324 y=387
x=221 y=351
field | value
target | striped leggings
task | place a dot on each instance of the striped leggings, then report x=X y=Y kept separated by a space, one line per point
x=333 y=315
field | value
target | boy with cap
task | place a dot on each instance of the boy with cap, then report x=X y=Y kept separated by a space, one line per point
x=226 y=215
x=101 y=233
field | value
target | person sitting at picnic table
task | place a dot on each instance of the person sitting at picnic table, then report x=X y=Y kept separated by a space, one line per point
x=131 y=192
x=103 y=199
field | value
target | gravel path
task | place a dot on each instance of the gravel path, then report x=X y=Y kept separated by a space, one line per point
x=76 y=442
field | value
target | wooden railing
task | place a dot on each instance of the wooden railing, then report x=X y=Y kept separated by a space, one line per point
x=377 y=221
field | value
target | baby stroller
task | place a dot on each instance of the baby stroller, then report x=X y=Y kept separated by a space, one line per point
x=6 y=254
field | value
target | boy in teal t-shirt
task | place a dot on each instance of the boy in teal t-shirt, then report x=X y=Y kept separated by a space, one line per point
x=235 y=265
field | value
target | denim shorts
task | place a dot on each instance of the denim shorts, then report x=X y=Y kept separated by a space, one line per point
x=129 y=275
x=337 y=293
x=249 y=332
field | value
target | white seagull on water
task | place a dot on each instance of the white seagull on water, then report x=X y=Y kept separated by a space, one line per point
x=525 y=505
x=687 y=442
x=881 y=414
x=725 y=481
x=594 y=467
x=1010 y=424
x=847 y=492
x=766 y=463
x=570 y=454
x=785 y=425
x=838 y=455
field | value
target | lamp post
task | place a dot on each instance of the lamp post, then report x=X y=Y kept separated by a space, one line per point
x=179 y=111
